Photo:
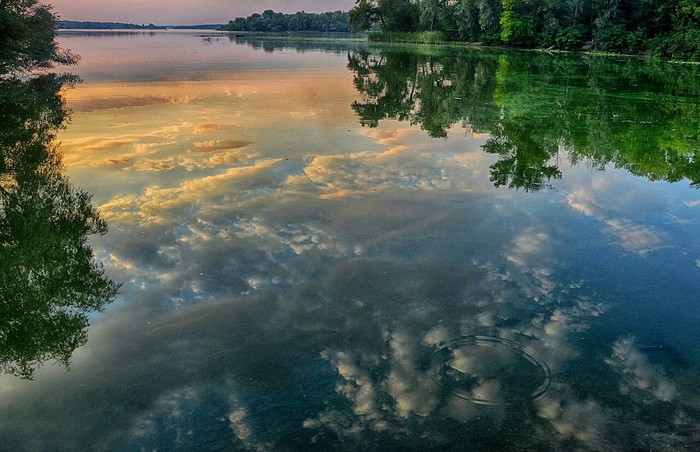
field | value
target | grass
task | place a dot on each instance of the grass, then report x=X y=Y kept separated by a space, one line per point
x=421 y=37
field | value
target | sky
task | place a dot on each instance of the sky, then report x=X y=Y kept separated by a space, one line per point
x=183 y=12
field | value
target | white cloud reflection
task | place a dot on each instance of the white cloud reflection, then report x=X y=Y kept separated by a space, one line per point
x=583 y=420
x=156 y=203
x=638 y=373
x=413 y=391
x=252 y=307
x=637 y=238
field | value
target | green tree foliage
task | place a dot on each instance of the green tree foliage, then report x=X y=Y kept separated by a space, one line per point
x=27 y=37
x=479 y=20
x=539 y=111
x=389 y=15
x=668 y=28
x=438 y=15
x=518 y=22
x=270 y=21
x=364 y=15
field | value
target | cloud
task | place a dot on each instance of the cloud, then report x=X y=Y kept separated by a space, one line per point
x=638 y=373
x=239 y=422
x=529 y=245
x=119 y=160
x=206 y=128
x=100 y=145
x=171 y=405
x=573 y=418
x=398 y=166
x=156 y=204
x=561 y=330
x=89 y=105
x=197 y=160
x=633 y=237
x=357 y=385
x=584 y=202
x=413 y=390
x=640 y=239
x=219 y=145
x=299 y=238
x=532 y=257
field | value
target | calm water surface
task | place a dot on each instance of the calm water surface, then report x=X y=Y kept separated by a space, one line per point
x=325 y=245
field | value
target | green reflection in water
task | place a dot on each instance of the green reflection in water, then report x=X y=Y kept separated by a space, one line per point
x=271 y=44
x=50 y=279
x=539 y=109
x=413 y=307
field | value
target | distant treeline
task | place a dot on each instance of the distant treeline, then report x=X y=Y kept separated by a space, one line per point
x=87 y=25
x=270 y=21
x=669 y=28
x=196 y=27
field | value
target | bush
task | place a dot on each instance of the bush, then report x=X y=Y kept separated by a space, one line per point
x=683 y=44
x=611 y=39
x=570 y=38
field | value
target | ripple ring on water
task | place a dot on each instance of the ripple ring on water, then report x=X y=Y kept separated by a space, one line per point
x=518 y=372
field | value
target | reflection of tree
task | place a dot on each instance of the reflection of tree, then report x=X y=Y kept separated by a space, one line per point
x=50 y=279
x=434 y=91
x=311 y=43
x=389 y=83
x=641 y=117
x=517 y=167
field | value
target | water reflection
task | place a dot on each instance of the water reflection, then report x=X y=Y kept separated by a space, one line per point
x=50 y=280
x=322 y=43
x=540 y=110
x=294 y=280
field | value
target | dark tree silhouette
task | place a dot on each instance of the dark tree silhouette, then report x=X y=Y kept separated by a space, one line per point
x=50 y=279
x=27 y=37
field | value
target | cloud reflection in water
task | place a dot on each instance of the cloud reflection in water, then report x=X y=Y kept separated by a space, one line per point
x=287 y=287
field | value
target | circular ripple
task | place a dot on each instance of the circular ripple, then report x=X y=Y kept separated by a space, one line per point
x=490 y=370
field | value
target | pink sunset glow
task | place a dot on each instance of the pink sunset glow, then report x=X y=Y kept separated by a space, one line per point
x=178 y=12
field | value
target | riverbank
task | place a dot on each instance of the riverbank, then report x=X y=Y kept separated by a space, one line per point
x=436 y=38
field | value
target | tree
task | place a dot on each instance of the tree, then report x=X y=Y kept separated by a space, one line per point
x=27 y=37
x=518 y=23
x=430 y=11
x=270 y=21
x=50 y=279
x=390 y=15
x=364 y=15
x=479 y=20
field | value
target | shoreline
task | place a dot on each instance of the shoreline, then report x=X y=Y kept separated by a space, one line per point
x=375 y=39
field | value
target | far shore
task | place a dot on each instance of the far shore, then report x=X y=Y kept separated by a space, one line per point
x=373 y=39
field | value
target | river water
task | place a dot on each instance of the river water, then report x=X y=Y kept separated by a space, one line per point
x=323 y=245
